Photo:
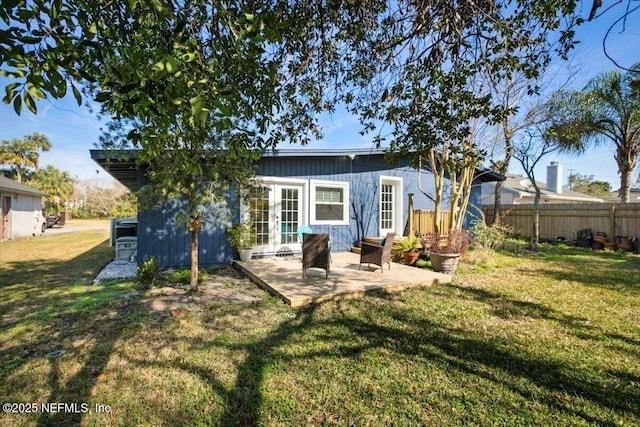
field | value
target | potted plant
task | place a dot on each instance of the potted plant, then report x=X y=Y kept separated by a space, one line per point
x=241 y=237
x=445 y=250
x=409 y=247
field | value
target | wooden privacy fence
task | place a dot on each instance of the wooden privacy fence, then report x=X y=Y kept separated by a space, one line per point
x=564 y=220
x=423 y=221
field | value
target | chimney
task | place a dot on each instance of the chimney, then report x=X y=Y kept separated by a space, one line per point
x=554 y=177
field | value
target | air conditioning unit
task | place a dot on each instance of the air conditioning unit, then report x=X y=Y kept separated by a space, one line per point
x=126 y=248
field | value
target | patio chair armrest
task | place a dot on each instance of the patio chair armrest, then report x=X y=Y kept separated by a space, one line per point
x=369 y=248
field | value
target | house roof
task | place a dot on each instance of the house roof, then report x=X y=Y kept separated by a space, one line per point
x=10 y=186
x=522 y=187
x=122 y=164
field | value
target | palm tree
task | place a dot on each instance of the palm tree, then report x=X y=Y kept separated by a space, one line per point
x=21 y=154
x=606 y=110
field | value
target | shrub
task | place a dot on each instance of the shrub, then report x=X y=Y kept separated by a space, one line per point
x=148 y=272
x=454 y=242
x=422 y=263
x=489 y=237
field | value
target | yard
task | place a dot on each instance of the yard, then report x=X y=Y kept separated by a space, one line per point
x=547 y=339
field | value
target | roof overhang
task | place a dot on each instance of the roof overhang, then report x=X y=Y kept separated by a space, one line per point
x=120 y=164
x=12 y=187
x=123 y=164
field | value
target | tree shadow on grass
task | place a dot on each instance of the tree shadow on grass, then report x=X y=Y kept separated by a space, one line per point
x=614 y=271
x=78 y=389
x=56 y=299
x=380 y=323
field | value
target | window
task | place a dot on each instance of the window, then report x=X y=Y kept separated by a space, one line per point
x=330 y=202
x=259 y=210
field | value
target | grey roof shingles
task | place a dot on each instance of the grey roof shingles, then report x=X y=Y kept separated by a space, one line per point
x=10 y=186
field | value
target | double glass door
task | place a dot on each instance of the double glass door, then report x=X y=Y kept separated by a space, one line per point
x=277 y=210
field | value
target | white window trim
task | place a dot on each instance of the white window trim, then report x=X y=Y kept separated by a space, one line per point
x=270 y=180
x=344 y=185
x=396 y=181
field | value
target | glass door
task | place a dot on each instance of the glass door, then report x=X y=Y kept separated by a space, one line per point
x=287 y=216
x=277 y=211
x=390 y=206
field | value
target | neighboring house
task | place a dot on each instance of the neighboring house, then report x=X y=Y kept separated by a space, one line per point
x=351 y=194
x=634 y=196
x=20 y=210
x=518 y=190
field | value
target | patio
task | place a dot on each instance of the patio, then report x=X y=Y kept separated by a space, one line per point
x=283 y=277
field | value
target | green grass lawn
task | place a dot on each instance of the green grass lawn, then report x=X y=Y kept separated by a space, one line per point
x=547 y=339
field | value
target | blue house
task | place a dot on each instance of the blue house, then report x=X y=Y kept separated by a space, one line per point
x=352 y=194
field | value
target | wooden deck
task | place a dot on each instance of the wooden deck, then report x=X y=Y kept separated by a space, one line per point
x=283 y=277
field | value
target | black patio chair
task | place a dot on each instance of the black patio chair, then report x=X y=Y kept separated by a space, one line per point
x=316 y=252
x=377 y=254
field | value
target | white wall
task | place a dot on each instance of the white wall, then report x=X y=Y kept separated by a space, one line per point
x=22 y=216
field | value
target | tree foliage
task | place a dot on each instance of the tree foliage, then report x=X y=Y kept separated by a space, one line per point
x=607 y=110
x=92 y=201
x=413 y=70
x=57 y=184
x=188 y=81
x=588 y=185
x=22 y=154
x=195 y=90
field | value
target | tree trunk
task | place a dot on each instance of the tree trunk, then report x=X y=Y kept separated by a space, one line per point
x=497 y=201
x=502 y=168
x=625 y=184
x=535 y=240
x=194 y=260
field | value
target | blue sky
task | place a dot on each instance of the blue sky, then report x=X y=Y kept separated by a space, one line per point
x=73 y=130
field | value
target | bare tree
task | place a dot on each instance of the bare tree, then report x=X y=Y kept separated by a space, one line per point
x=531 y=148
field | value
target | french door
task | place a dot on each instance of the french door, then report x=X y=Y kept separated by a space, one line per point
x=390 y=205
x=278 y=211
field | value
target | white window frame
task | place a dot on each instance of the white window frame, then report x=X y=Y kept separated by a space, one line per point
x=398 y=205
x=273 y=183
x=344 y=186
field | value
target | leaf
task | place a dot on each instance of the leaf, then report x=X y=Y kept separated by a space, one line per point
x=29 y=40
x=170 y=64
x=157 y=4
x=17 y=104
x=224 y=109
x=29 y=102
x=76 y=94
x=55 y=9
x=10 y=92
x=197 y=104
x=35 y=92
x=158 y=66
x=103 y=96
x=188 y=57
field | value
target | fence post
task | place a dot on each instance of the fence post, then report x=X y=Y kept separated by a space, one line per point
x=410 y=215
x=612 y=224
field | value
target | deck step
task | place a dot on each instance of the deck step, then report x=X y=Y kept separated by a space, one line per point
x=356 y=249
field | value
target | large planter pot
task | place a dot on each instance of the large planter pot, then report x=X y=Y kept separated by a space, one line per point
x=245 y=254
x=445 y=263
x=410 y=258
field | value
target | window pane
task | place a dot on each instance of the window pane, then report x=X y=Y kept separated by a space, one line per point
x=329 y=212
x=329 y=195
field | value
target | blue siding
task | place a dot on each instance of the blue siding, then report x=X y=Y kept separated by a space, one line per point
x=474 y=210
x=363 y=174
x=161 y=237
